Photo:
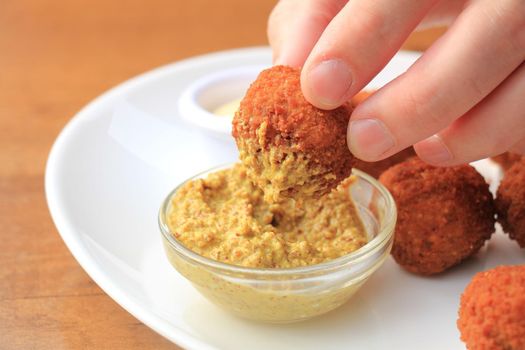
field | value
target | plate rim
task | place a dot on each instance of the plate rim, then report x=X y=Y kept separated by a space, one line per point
x=67 y=231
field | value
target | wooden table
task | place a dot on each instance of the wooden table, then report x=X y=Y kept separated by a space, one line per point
x=55 y=56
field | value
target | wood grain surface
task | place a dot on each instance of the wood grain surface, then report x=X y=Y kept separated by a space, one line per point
x=55 y=56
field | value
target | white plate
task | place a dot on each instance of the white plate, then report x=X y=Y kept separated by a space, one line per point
x=115 y=161
x=208 y=93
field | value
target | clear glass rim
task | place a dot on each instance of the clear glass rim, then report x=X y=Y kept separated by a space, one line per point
x=381 y=239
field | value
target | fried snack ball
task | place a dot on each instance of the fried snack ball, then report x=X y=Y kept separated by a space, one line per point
x=289 y=147
x=506 y=160
x=510 y=202
x=492 y=310
x=377 y=168
x=445 y=215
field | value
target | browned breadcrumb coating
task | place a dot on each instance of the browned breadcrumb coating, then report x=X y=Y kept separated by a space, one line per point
x=507 y=159
x=377 y=168
x=510 y=202
x=290 y=147
x=492 y=310
x=444 y=214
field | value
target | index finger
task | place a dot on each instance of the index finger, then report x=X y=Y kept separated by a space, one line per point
x=356 y=45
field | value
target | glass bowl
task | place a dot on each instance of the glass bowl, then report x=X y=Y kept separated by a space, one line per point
x=282 y=295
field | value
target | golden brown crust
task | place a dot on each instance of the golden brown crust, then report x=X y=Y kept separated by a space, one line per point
x=375 y=169
x=507 y=159
x=274 y=113
x=492 y=309
x=444 y=214
x=510 y=202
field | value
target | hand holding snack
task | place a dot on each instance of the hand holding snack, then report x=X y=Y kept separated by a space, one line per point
x=290 y=148
x=462 y=101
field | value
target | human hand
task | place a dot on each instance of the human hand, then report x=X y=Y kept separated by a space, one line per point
x=463 y=100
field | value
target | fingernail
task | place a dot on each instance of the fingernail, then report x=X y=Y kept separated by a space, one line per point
x=433 y=150
x=368 y=139
x=329 y=83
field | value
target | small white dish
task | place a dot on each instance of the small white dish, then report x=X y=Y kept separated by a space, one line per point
x=105 y=181
x=198 y=104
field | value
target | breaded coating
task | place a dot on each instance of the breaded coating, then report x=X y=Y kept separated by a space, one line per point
x=492 y=310
x=445 y=215
x=510 y=202
x=289 y=147
x=507 y=159
x=377 y=168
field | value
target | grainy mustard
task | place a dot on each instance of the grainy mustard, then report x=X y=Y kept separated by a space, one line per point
x=225 y=217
